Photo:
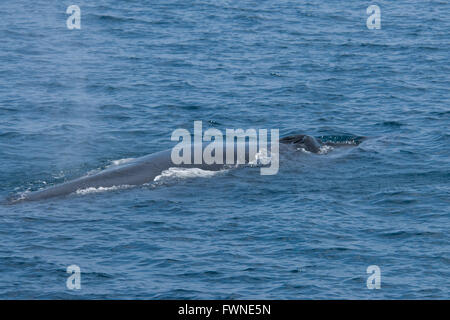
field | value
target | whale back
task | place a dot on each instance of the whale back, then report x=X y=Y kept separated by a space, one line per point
x=302 y=141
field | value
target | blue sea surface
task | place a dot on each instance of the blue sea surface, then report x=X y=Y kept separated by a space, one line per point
x=76 y=101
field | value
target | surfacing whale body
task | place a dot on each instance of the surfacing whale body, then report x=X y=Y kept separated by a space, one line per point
x=144 y=169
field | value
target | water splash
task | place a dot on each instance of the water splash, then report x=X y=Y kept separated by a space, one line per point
x=184 y=173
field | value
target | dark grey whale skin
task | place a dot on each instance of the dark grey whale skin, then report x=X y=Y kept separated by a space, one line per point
x=144 y=170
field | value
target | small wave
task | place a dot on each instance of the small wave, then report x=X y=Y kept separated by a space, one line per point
x=183 y=173
x=391 y=124
x=114 y=18
x=121 y=161
x=60 y=175
x=112 y=164
x=101 y=189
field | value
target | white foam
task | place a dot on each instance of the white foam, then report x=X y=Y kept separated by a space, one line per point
x=20 y=196
x=101 y=189
x=322 y=150
x=183 y=173
x=303 y=150
x=261 y=158
x=325 y=149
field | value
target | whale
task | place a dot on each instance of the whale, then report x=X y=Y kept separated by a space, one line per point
x=145 y=169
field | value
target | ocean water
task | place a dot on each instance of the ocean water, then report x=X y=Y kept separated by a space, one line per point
x=76 y=101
